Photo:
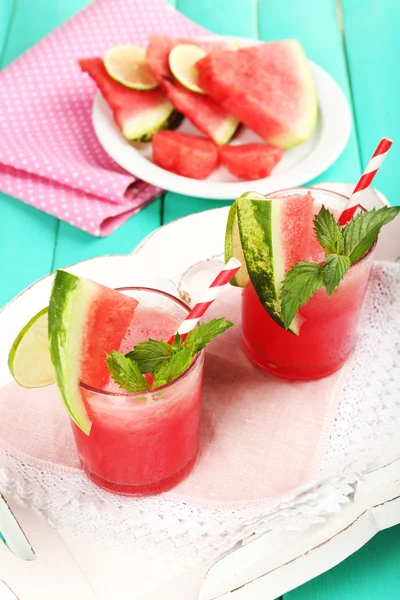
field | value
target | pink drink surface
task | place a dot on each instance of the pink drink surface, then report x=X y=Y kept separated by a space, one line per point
x=328 y=327
x=143 y=445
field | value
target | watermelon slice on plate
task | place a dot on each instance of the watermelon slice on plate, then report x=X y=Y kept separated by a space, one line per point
x=250 y=161
x=187 y=155
x=268 y=87
x=205 y=114
x=269 y=236
x=85 y=321
x=161 y=45
x=138 y=114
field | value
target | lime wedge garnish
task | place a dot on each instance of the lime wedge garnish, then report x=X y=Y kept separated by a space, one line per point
x=29 y=359
x=182 y=62
x=233 y=248
x=233 y=243
x=128 y=66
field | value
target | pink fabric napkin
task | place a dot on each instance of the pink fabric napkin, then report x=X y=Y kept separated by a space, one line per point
x=49 y=154
x=261 y=437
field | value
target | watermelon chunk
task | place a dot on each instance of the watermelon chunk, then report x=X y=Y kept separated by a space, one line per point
x=205 y=114
x=138 y=114
x=250 y=161
x=274 y=234
x=187 y=155
x=268 y=87
x=86 y=320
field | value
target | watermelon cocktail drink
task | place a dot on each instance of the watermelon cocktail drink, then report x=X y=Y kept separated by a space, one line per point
x=304 y=276
x=328 y=325
x=145 y=442
x=128 y=365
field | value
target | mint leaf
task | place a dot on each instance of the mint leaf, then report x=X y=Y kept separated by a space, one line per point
x=302 y=281
x=329 y=232
x=151 y=355
x=177 y=344
x=199 y=337
x=173 y=367
x=335 y=269
x=126 y=373
x=362 y=231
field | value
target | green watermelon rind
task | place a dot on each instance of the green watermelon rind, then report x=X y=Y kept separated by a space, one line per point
x=259 y=228
x=142 y=127
x=226 y=131
x=69 y=308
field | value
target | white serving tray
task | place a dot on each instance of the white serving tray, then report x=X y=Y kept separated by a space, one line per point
x=65 y=566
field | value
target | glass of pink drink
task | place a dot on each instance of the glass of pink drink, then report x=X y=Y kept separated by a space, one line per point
x=328 y=325
x=144 y=443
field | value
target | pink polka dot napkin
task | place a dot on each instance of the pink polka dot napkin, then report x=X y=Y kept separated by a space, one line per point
x=49 y=154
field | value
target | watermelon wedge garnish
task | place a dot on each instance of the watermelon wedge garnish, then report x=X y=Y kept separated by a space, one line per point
x=268 y=87
x=187 y=155
x=271 y=234
x=250 y=161
x=137 y=113
x=205 y=114
x=86 y=320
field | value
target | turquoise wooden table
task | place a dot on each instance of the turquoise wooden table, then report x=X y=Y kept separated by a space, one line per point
x=357 y=42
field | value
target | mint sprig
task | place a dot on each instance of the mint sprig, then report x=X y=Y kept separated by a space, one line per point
x=334 y=270
x=328 y=231
x=173 y=367
x=126 y=373
x=301 y=282
x=343 y=246
x=362 y=231
x=202 y=335
x=150 y=355
x=165 y=361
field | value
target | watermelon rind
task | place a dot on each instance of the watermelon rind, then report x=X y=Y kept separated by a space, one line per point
x=142 y=127
x=226 y=131
x=69 y=308
x=29 y=359
x=259 y=223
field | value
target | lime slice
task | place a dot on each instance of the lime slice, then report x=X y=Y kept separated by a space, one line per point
x=182 y=62
x=29 y=359
x=233 y=248
x=233 y=244
x=128 y=66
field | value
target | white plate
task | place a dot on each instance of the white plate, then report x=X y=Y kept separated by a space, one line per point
x=299 y=165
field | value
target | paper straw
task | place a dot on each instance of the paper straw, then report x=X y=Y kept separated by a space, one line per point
x=365 y=181
x=219 y=283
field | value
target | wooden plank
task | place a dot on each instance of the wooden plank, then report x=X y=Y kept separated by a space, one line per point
x=74 y=245
x=316 y=25
x=370 y=574
x=177 y=206
x=6 y=14
x=223 y=16
x=34 y=20
x=373 y=50
x=226 y=18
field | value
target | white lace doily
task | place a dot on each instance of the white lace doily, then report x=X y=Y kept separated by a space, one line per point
x=368 y=416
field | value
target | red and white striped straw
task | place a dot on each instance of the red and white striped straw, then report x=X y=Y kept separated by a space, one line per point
x=365 y=181
x=219 y=283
